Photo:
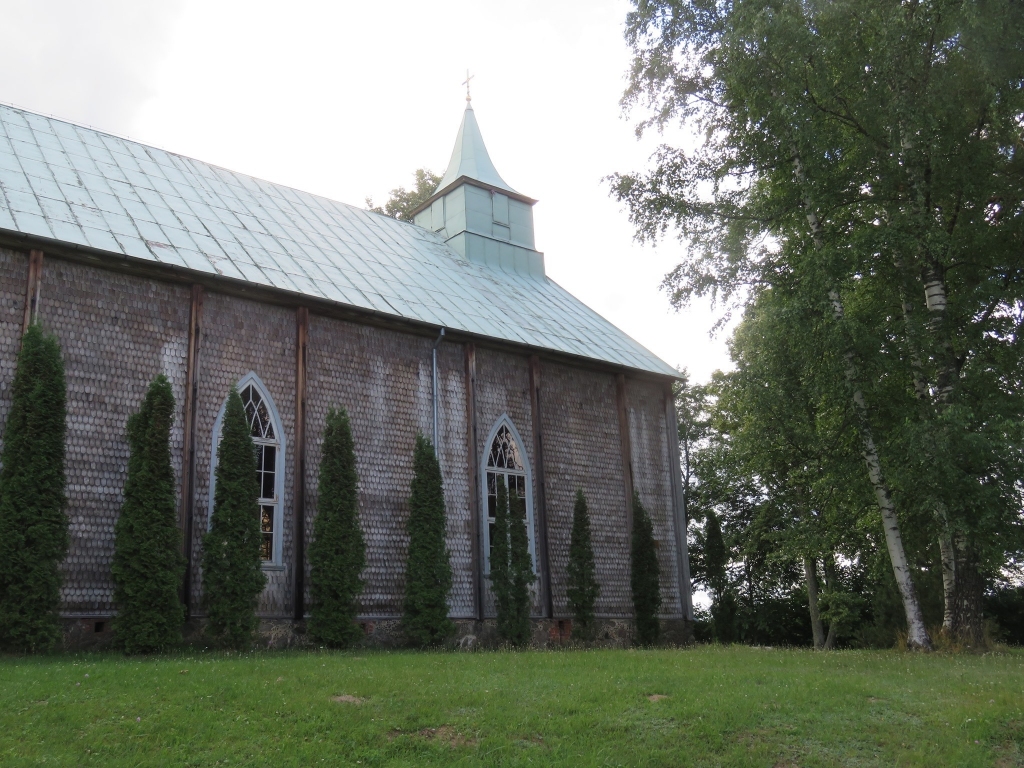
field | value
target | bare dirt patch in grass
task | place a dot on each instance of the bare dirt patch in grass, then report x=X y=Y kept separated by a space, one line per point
x=656 y=697
x=346 y=699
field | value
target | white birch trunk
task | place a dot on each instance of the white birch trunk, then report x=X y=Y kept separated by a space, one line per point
x=948 y=556
x=917 y=633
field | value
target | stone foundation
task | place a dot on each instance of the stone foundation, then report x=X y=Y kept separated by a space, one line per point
x=96 y=633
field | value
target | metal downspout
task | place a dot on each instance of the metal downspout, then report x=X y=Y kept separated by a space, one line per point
x=433 y=391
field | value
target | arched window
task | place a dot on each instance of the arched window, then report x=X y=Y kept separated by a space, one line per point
x=265 y=427
x=506 y=463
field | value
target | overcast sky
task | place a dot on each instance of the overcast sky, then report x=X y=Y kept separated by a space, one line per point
x=345 y=99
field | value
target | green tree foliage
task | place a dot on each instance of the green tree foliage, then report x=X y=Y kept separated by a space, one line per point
x=428 y=572
x=337 y=554
x=403 y=202
x=232 y=567
x=33 y=526
x=148 y=565
x=645 y=576
x=511 y=568
x=858 y=159
x=582 y=589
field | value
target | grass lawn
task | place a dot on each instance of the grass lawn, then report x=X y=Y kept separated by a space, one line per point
x=701 y=706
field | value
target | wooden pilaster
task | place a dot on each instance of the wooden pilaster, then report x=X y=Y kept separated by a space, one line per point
x=188 y=469
x=543 y=553
x=299 y=509
x=679 y=517
x=474 y=481
x=625 y=446
x=35 y=279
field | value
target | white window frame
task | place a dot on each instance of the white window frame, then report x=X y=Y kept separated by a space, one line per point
x=251 y=378
x=505 y=421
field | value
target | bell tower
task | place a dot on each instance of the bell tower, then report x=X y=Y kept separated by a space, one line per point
x=481 y=217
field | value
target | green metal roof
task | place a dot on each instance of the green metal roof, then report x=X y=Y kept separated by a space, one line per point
x=66 y=183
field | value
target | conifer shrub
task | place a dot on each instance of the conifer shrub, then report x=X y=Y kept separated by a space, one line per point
x=148 y=565
x=583 y=588
x=511 y=568
x=522 y=571
x=33 y=525
x=645 y=576
x=428 y=571
x=232 y=570
x=337 y=554
x=501 y=565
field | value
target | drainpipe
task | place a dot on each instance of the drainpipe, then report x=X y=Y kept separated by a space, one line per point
x=433 y=393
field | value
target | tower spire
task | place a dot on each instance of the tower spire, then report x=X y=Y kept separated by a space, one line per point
x=469 y=157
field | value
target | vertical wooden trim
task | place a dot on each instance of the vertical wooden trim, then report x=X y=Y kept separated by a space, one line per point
x=474 y=483
x=626 y=448
x=299 y=497
x=188 y=470
x=35 y=279
x=543 y=552
x=679 y=516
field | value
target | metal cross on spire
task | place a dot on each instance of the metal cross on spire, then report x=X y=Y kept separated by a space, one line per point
x=466 y=83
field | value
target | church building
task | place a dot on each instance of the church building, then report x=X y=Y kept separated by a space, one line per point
x=144 y=262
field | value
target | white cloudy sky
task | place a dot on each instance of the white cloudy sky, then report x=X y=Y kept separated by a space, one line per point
x=346 y=99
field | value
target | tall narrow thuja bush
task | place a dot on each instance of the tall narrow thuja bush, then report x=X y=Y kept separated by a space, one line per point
x=501 y=564
x=645 y=576
x=522 y=571
x=337 y=554
x=148 y=566
x=33 y=525
x=232 y=573
x=428 y=571
x=583 y=588
x=511 y=568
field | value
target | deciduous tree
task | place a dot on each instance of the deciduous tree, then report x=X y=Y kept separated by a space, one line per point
x=402 y=202
x=862 y=151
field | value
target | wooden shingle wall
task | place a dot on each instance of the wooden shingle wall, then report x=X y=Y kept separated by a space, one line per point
x=13 y=276
x=647 y=425
x=116 y=333
x=581 y=450
x=383 y=379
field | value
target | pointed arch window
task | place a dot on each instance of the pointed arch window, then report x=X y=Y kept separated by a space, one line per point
x=506 y=463
x=265 y=428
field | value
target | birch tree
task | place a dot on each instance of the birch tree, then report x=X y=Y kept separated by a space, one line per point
x=869 y=151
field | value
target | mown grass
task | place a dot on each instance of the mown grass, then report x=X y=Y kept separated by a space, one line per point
x=724 y=707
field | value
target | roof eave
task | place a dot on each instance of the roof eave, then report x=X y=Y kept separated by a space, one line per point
x=476 y=183
x=255 y=291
